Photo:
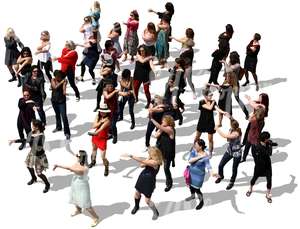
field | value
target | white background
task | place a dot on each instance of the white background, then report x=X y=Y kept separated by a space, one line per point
x=27 y=207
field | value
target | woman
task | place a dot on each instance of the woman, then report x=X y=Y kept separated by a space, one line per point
x=68 y=61
x=43 y=54
x=199 y=161
x=165 y=135
x=91 y=57
x=251 y=59
x=95 y=13
x=59 y=102
x=100 y=135
x=114 y=35
x=206 y=122
x=86 y=28
x=36 y=159
x=146 y=182
x=256 y=122
x=25 y=117
x=11 y=52
x=131 y=39
x=187 y=53
x=233 y=151
x=263 y=165
x=220 y=54
x=143 y=66
x=162 y=45
x=23 y=65
x=80 y=188
x=35 y=84
x=127 y=95
x=149 y=38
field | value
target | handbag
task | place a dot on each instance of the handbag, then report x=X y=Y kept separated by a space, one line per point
x=187 y=175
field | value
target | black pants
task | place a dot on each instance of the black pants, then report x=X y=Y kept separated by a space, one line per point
x=215 y=69
x=60 y=110
x=122 y=103
x=113 y=128
x=48 y=68
x=71 y=78
x=268 y=176
x=167 y=164
x=236 y=161
x=150 y=128
x=91 y=70
x=248 y=146
x=21 y=127
x=195 y=190
x=99 y=90
x=41 y=111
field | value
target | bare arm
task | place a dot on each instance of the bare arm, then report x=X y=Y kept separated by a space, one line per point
x=167 y=129
x=148 y=162
x=143 y=59
x=209 y=107
x=79 y=170
x=107 y=95
x=231 y=135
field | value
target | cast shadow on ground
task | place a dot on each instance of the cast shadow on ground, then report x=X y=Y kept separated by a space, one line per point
x=51 y=120
x=264 y=83
x=60 y=182
x=106 y=211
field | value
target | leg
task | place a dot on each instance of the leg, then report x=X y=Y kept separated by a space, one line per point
x=45 y=180
x=136 y=87
x=82 y=70
x=246 y=151
x=93 y=156
x=12 y=72
x=235 y=165
x=41 y=112
x=200 y=197
x=153 y=208
x=188 y=76
x=94 y=215
x=99 y=94
x=214 y=72
x=63 y=112
x=57 y=115
x=21 y=133
x=105 y=162
x=91 y=71
x=33 y=176
x=269 y=186
x=122 y=103
x=220 y=119
x=77 y=211
x=131 y=111
x=256 y=80
x=150 y=128
x=71 y=78
x=226 y=157
x=137 y=199
x=147 y=93
x=198 y=135
x=169 y=180
x=114 y=129
x=210 y=143
x=240 y=102
x=192 y=190
x=247 y=78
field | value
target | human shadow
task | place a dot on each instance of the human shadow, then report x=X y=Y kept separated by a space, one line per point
x=55 y=144
x=106 y=211
x=88 y=94
x=281 y=141
x=51 y=120
x=60 y=182
x=186 y=131
x=81 y=129
x=131 y=135
x=121 y=165
x=265 y=83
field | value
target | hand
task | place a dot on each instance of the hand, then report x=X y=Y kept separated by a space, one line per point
x=222 y=61
x=54 y=167
x=54 y=58
x=170 y=37
x=11 y=142
x=150 y=10
x=227 y=115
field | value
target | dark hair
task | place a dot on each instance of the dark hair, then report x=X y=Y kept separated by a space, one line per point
x=235 y=126
x=265 y=102
x=58 y=74
x=201 y=143
x=234 y=57
x=189 y=33
x=108 y=44
x=26 y=49
x=39 y=124
x=147 y=53
x=151 y=28
x=117 y=28
x=126 y=74
x=170 y=8
x=88 y=19
x=229 y=30
x=82 y=157
x=206 y=92
x=264 y=136
x=180 y=61
x=135 y=15
x=257 y=36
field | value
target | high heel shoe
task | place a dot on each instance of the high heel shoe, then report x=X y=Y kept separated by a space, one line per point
x=245 y=84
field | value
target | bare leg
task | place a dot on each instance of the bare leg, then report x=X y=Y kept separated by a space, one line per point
x=256 y=80
x=105 y=162
x=247 y=78
x=94 y=215
x=220 y=120
x=93 y=156
x=77 y=211
x=198 y=135
x=153 y=208
x=210 y=143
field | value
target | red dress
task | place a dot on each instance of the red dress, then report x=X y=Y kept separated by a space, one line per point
x=100 y=140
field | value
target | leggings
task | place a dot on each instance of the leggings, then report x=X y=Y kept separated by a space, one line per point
x=188 y=76
x=91 y=71
x=268 y=176
x=48 y=68
x=136 y=87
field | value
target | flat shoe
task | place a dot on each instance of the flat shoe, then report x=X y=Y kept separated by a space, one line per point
x=95 y=223
x=248 y=193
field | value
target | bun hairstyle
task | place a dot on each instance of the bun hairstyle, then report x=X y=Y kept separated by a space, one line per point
x=234 y=57
x=82 y=157
x=201 y=143
x=37 y=123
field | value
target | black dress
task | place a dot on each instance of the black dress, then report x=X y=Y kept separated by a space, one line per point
x=146 y=181
x=225 y=100
x=263 y=165
x=251 y=58
x=166 y=146
x=12 y=53
x=142 y=71
x=206 y=123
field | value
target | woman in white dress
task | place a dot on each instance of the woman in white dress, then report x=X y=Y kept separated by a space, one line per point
x=80 y=189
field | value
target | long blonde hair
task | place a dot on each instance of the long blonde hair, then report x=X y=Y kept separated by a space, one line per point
x=155 y=154
x=10 y=33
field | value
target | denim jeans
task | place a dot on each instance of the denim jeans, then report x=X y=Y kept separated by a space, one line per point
x=60 y=110
x=150 y=128
x=236 y=161
x=169 y=180
x=122 y=103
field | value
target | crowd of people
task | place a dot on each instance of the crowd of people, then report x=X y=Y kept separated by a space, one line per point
x=164 y=110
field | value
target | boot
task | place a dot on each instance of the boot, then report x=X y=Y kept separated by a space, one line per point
x=93 y=162
x=106 y=169
x=13 y=78
x=132 y=125
x=115 y=139
x=45 y=180
x=246 y=83
x=190 y=197
x=23 y=144
x=33 y=176
x=19 y=81
x=136 y=206
x=155 y=211
x=200 y=205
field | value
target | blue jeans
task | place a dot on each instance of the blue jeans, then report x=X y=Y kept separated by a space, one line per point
x=236 y=161
x=60 y=110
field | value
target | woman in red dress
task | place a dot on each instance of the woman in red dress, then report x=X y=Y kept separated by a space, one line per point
x=100 y=136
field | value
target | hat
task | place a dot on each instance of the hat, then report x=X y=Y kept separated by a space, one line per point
x=107 y=59
x=104 y=108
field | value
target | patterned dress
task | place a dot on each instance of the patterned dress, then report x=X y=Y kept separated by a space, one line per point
x=131 y=39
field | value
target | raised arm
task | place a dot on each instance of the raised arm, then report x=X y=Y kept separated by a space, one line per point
x=167 y=129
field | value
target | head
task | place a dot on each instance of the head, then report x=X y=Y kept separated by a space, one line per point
x=34 y=71
x=179 y=62
x=109 y=86
x=189 y=33
x=264 y=99
x=229 y=30
x=158 y=99
x=264 y=137
x=70 y=45
x=87 y=19
x=207 y=94
x=26 y=52
x=155 y=154
x=117 y=28
x=59 y=75
x=170 y=8
x=142 y=51
x=37 y=125
x=26 y=94
x=234 y=57
x=168 y=120
x=10 y=33
x=134 y=15
x=96 y=5
x=109 y=44
x=45 y=35
x=199 y=145
x=82 y=157
x=257 y=36
x=151 y=27
x=235 y=126
x=126 y=73
x=259 y=113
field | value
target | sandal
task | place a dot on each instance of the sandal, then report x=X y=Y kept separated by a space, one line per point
x=248 y=193
x=95 y=222
x=269 y=198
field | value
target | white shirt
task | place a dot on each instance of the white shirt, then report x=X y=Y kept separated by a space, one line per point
x=45 y=56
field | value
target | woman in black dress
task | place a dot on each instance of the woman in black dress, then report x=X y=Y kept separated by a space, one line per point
x=166 y=143
x=11 y=52
x=263 y=164
x=251 y=59
x=206 y=123
x=146 y=182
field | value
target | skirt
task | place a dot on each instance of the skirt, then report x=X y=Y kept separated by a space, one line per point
x=80 y=192
x=39 y=163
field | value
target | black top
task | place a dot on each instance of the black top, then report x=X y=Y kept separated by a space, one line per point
x=12 y=53
x=146 y=181
x=26 y=113
x=223 y=47
x=261 y=155
x=250 y=52
x=166 y=146
x=58 y=95
x=36 y=143
x=165 y=15
x=36 y=88
x=206 y=123
x=141 y=71
x=188 y=55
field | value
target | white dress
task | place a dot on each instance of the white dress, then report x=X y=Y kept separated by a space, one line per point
x=80 y=191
